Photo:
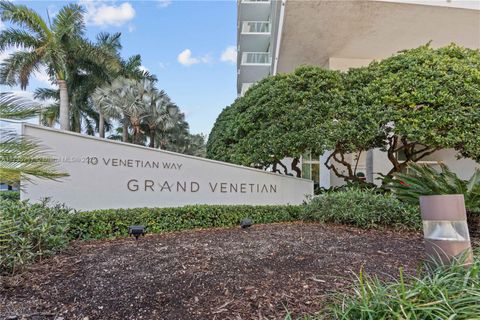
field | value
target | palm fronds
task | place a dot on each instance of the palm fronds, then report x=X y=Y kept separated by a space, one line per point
x=14 y=107
x=23 y=158
x=423 y=180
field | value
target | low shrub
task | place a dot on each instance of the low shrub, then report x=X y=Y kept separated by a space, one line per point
x=10 y=195
x=29 y=232
x=362 y=208
x=439 y=292
x=114 y=222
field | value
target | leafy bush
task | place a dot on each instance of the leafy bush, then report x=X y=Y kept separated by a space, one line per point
x=10 y=195
x=422 y=180
x=351 y=185
x=363 y=209
x=439 y=292
x=114 y=222
x=29 y=232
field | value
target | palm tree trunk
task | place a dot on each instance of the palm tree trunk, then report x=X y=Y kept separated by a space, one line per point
x=125 y=129
x=101 y=125
x=64 y=112
x=152 y=137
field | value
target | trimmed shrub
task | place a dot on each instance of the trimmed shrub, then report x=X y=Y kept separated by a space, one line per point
x=364 y=209
x=114 y=222
x=10 y=195
x=29 y=232
x=439 y=292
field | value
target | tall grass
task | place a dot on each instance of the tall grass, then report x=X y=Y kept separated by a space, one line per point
x=439 y=292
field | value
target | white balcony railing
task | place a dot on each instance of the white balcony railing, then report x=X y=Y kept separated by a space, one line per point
x=255 y=1
x=245 y=87
x=256 y=27
x=256 y=58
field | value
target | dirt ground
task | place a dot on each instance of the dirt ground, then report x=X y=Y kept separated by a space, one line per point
x=258 y=273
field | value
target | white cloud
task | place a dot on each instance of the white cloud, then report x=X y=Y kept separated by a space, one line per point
x=101 y=13
x=163 y=3
x=143 y=68
x=131 y=27
x=185 y=58
x=229 y=54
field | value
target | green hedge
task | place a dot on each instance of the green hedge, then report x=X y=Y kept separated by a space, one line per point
x=364 y=209
x=114 y=222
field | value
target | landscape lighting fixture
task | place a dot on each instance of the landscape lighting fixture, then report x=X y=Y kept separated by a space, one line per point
x=445 y=227
x=246 y=223
x=136 y=231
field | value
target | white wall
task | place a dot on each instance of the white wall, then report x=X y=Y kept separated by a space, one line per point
x=107 y=184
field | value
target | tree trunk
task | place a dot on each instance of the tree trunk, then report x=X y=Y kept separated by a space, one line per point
x=64 y=112
x=295 y=168
x=101 y=125
x=152 y=137
x=125 y=129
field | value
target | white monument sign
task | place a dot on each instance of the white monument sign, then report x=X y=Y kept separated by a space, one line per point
x=107 y=174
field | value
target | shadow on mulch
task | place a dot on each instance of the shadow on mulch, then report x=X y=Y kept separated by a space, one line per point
x=258 y=273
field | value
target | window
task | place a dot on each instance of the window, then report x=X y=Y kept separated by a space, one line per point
x=311 y=167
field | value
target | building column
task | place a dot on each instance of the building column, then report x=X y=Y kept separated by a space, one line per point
x=369 y=166
x=324 y=171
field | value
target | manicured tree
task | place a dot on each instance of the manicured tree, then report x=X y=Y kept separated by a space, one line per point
x=222 y=138
x=282 y=116
x=424 y=100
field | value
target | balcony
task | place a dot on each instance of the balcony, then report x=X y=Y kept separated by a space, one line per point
x=254 y=10
x=256 y=59
x=253 y=67
x=256 y=27
x=245 y=87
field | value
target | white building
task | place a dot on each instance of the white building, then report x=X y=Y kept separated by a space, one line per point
x=276 y=36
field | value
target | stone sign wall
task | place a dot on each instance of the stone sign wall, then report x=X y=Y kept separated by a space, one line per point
x=109 y=174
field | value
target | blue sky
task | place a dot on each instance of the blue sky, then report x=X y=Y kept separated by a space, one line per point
x=188 y=45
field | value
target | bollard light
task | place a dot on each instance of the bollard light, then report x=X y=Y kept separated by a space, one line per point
x=445 y=227
x=136 y=231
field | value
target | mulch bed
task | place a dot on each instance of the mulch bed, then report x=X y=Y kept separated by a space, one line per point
x=258 y=273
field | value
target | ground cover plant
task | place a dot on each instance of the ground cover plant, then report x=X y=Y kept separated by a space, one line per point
x=363 y=208
x=30 y=232
x=439 y=292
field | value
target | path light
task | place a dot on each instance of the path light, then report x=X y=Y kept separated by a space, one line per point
x=246 y=223
x=445 y=227
x=136 y=231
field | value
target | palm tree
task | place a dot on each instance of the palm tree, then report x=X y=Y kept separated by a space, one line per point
x=58 y=45
x=161 y=115
x=22 y=157
x=127 y=100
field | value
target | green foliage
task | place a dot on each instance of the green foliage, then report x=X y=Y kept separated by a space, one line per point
x=29 y=232
x=362 y=208
x=113 y=223
x=439 y=292
x=10 y=195
x=281 y=116
x=422 y=180
x=413 y=103
x=23 y=157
